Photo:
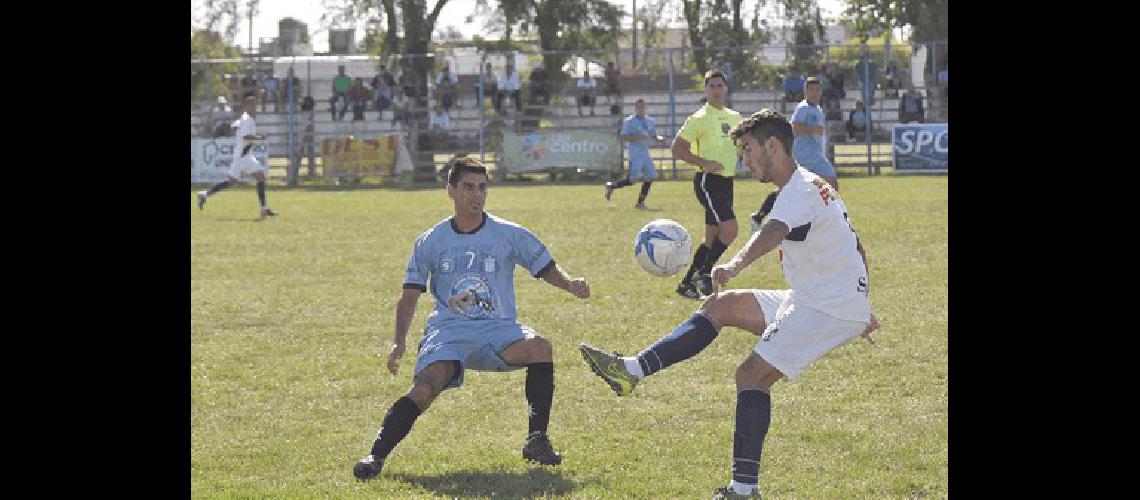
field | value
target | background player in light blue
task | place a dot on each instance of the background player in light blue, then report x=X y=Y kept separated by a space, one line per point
x=638 y=131
x=468 y=262
x=810 y=128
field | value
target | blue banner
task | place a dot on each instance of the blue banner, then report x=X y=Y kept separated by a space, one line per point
x=920 y=147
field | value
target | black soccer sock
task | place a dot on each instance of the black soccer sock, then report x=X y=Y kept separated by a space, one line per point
x=644 y=191
x=218 y=187
x=396 y=425
x=620 y=184
x=684 y=342
x=753 y=414
x=698 y=262
x=715 y=252
x=261 y=193
x=539 y=394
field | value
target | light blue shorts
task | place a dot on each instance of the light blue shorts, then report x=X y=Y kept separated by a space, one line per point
x=818 y=166
x=474 y=344
x=641 y=168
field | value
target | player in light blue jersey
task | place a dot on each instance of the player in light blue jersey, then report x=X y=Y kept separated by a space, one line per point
x=810 y=127
x=639 y=131
x=467 y=261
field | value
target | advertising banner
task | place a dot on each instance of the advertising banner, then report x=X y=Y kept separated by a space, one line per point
x=585 y=149
x=920 y=147
x=210 y=159
x=352 y=157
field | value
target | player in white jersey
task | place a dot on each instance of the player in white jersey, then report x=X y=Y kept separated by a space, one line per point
x=467 y=263
x=243 y=161
x=827 y=306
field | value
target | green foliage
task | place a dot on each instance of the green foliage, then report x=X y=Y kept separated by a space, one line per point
x=208 y=45
x=928 y=18
x=291 y=322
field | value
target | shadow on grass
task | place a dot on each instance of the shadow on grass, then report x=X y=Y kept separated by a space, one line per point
x=536 y=482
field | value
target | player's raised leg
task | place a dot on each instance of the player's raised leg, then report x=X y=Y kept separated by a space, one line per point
x=738 y=308
x=429 y=383
x=203 y=195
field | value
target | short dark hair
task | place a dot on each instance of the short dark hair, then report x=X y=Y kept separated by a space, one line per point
x=812 y=80
x=462 y=164
x=715 y=73
x=764 y=124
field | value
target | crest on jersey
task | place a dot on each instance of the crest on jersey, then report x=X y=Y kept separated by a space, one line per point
x=471 y=297
x=724 y=127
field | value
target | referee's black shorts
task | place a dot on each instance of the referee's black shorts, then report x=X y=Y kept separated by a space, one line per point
x=715 y=194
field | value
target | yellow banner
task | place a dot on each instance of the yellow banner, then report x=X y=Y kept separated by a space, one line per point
x=352 y=157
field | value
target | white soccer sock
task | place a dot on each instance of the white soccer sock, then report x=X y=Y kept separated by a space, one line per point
x=741 y=488
x=633 y=367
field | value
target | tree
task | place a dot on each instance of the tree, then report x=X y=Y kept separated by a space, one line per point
x=227 y=14
x=927 y=18
x=206 y=44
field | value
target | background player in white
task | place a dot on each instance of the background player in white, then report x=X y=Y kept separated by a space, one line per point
x=827 y=306
x=638 y=131
x=245 y=131
x=468 y=263
x=809 y=124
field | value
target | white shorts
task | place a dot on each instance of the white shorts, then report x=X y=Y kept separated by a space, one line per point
x=798 y=335
x=246 y=165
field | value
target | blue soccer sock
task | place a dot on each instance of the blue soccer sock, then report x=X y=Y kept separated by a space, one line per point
x=753 y=415
x=218 y=187
x=684 y=342
x=397 y=423
x=261 y=194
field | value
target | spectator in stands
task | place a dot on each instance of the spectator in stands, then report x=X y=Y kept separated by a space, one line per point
x=612 y=76
x=340 y=85
x=910 y=107
x=234 y=87
x=857 y=121
x=944 y=84
x=793 y=87
x=539 y=92
x=726 y=68
x=835 y=77
x=891 y=80
x=825 y=82
x=867 y=71
x=272 y=93
x=382 y=92
x=308 y=104
x=401 y=107
x=446 y=84
x=222 y=107
x=359 y=96
x=490 y=86
x=587 y=86
x=509 y=85
x=308 y=146
x=249 y=85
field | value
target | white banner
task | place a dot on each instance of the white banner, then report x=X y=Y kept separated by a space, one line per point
x=211 y=159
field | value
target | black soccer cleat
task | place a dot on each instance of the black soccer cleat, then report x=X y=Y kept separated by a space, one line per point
x=687 y=290
x=704 y=284
x=367 y=468
x=538 y=449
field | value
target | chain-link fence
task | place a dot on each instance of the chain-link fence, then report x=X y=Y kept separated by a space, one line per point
x=475 y=102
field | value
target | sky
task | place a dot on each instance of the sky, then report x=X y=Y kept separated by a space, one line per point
x=309 y=12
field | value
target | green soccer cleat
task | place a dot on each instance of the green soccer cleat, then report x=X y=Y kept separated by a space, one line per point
x=611 y=368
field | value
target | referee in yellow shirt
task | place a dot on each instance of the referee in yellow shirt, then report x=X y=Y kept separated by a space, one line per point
x=703 y=141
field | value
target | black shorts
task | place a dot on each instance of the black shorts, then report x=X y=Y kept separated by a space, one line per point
x=715 y=194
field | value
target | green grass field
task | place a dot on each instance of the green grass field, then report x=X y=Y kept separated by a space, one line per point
x=292 y=318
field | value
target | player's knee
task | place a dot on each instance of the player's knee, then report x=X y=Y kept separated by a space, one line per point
x=538 y=350
x=422 y=393
x=754 y=373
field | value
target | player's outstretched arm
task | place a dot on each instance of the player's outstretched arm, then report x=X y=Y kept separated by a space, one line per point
x=577 y=287
x=405 y=310
x=773 y=232
x=683 y=151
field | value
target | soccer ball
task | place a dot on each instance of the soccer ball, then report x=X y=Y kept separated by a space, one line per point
x=662 y=247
